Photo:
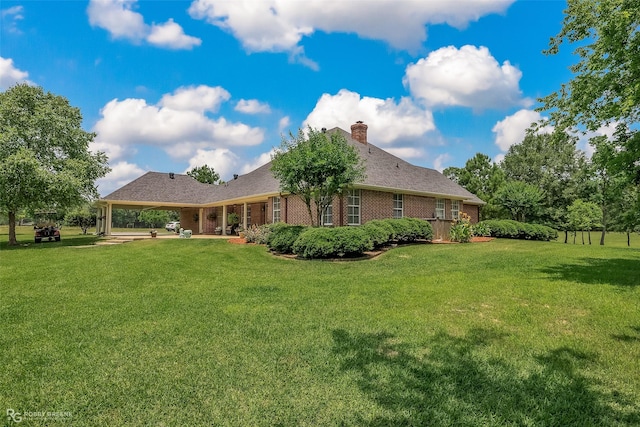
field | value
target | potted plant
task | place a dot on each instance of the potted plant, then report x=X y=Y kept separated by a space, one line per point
x=233 y=219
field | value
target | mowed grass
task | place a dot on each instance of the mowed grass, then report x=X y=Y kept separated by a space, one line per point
x=203 y=332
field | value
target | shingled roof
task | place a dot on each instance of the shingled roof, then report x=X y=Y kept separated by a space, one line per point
x=384 y=171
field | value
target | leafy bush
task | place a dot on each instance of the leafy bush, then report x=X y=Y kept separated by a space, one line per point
x=481 y=229
x=410 y=229
x=379 y=233
x=461 y=230
x=283 y=236
x=257 y=234
x=331 y=242
x=382 y=224
x=510 y=229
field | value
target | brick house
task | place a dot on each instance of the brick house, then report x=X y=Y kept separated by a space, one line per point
x=393 y=188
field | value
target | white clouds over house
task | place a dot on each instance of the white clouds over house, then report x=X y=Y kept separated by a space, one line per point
x=280 y=25
x=467 y=77
x=512 y=129
x=182 y=123
x=120 y=19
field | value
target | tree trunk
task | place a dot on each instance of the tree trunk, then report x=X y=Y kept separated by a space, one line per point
x=628 y=239
x=604 y=223
x=582 y=235
x=589 y=233
x=566 y=235
x=12 y=229
x=575 y=233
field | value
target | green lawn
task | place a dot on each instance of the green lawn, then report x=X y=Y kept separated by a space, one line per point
x=203 y=332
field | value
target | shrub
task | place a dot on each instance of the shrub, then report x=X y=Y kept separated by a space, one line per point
x=384 y=225
x=461 y=231
x=410 y=229
x=331 y=242
x=379 y=233
x=257 y=234
x=510 y=229
x=282 y=237
x=481 y=229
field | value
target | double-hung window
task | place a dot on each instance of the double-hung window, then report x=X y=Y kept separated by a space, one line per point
x=455 y=209
x=353 y=207
x=327 y=215
x=398 y=202
x=276 y=209
x=440 y=208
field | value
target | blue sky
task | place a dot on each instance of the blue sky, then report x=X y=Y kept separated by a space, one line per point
x=168 y=85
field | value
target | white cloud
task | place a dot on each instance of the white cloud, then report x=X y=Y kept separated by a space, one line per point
x=173 y=125
x=10 y=75
x=284 y=123
x=406 y=152
x=512 y=129
x=280 y=25
x=388 y=121
x=117 y=17
x=10 y=18
x=261 y=160
x=172 y=36
x=122 y=22
x=121 y=174
x=440 y=161
x=222 y=160
x=252 y=106
x=196 y=98
x=468 y=77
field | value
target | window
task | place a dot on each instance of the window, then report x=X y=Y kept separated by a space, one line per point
x=440 y=208
x=276 y=209
x=353 y=207
x=455 y=209
x=327 y=215
x=397 y=205
x=248 y=216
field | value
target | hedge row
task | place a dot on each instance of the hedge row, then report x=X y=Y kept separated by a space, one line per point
x=506 y=228
x=344 y=241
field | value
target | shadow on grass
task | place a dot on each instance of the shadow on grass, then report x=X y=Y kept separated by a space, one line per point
x=76 y=240
x=612 y=271
x=634 y=336
x=453 y=382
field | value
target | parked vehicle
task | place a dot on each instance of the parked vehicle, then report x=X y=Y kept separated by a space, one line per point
x=172 y=226
x=48 y=233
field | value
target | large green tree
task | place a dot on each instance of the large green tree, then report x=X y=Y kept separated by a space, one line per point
x=552 y=163
x=605 y=88
x=316 y=167
x=45 y=162
x=205 y=174
x=482 y=177
x=520 y=199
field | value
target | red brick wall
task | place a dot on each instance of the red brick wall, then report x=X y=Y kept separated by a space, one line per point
x=186 y=219
x=374 y=205
x=473 y=211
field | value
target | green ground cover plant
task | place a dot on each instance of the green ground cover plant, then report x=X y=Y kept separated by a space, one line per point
x=203 y=332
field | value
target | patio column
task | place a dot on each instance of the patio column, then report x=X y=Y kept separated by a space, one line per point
x=98 y=215
x=200 y=214
x=107 y=226
x=224 y=220
x=244 y=216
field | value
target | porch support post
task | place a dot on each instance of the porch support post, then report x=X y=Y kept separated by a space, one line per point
x=98 y=215
x=224 y=220
x=107 y=230
x=244 y=216
x=200 y=214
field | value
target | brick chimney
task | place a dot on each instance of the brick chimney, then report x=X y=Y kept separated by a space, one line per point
x=359 y=132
